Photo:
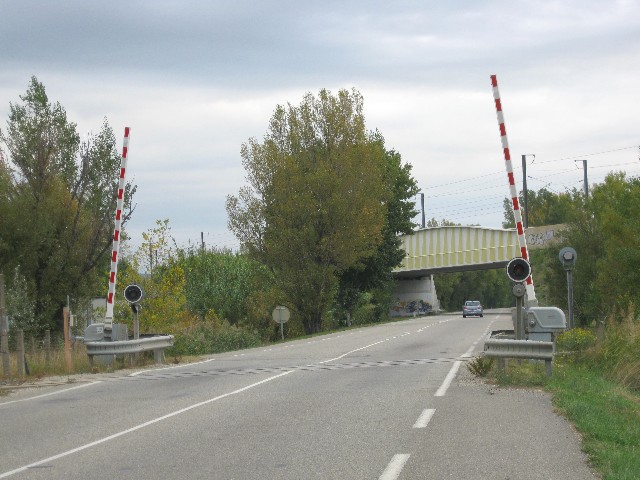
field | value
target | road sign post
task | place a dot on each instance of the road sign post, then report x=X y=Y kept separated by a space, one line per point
x=519 y=270
x=281 y=315
x=568 y=257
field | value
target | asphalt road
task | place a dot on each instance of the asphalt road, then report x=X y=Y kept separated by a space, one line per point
x=383 y=402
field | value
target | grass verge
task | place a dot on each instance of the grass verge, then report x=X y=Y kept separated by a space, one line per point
x=606 y=414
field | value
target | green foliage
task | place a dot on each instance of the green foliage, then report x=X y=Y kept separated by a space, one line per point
x=618 y=355
x=522 y=374
x=219 y=281
x=375 y=271
x=212 y=337
x=544 y=207
x=491 y=287
x=317 y=201
x=607 y=416
x=57 y=198
x=481 y=366
x=20 y=305
x=602 y=229
x=575 y=340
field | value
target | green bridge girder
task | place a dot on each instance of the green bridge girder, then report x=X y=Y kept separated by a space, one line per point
x=458 y=248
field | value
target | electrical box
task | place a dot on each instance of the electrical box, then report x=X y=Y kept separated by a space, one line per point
x=543 y=322
x=94 y=332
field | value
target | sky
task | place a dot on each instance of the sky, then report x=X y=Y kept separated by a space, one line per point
x=194 y=80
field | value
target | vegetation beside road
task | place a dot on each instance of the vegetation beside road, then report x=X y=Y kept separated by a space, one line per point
x=596 y=385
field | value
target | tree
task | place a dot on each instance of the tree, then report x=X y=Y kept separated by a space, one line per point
x=20 y=306
x=545 y=207
x=59 y=194
x=317 y=200
x=375 y=271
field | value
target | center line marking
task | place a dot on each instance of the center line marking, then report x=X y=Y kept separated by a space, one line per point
x=392 y=472
x=424 y=418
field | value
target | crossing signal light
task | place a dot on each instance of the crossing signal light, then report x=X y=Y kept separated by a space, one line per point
x=518 y=269
x=133 y=294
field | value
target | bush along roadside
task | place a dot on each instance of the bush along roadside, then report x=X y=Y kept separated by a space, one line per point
x=596 y=385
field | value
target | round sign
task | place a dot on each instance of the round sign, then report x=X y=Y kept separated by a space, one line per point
x=281 y=314
x=518 y=269
x=568 y=257
x=133 y=294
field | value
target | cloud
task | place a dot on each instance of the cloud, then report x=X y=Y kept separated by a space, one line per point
x=195 y=80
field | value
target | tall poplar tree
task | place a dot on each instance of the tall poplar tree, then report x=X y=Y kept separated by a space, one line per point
x=316 y=202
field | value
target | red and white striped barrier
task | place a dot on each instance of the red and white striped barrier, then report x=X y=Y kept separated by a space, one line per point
x=108 y=320
x=522 y=241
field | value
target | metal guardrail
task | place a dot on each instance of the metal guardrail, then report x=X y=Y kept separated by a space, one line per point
x=507 y=348
x=157 y=343
x=502 y=348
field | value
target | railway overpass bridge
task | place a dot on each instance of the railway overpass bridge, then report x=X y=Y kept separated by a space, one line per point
x=455 y=249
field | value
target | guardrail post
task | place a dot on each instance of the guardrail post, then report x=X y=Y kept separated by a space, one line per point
x=158 y=355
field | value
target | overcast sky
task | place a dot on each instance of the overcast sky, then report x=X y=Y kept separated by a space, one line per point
x=196 y=79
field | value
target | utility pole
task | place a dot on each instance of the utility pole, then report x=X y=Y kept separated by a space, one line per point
x=524 y=188
x=422 y=204
x=586 y=183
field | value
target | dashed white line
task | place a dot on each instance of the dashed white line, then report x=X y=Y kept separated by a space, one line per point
x=392 y=472
x=424 y=418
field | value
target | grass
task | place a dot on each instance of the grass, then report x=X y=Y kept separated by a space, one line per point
x=40 y=366
x=605 y=413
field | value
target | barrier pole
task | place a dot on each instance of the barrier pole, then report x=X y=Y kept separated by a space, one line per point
x=108 y=320
x=522 y=241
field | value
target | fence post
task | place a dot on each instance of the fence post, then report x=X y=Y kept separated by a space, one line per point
x=67 y=338
x=47 y=346
x=4 y=331
x=20 y=351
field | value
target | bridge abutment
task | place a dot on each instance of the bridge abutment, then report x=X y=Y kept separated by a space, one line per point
x=414 y=296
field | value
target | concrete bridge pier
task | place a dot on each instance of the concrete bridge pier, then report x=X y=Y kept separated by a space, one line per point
x=414 y=296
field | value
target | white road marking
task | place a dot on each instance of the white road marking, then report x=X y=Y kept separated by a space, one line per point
x=138 y=427
x=392 y=472
x=352 y=351
x=50 y=393
x=424 y=418
x=448 y=379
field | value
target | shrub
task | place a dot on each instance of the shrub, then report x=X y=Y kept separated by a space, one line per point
x=619 y=353
x=212 y=337
x=575 y=340
x=481 y=366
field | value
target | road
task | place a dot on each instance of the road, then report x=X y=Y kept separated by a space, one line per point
x=383 y=402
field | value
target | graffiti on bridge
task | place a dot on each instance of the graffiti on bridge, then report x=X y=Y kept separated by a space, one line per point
x=418 y=307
